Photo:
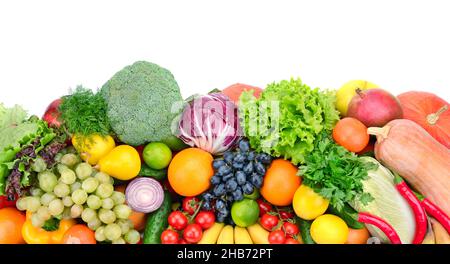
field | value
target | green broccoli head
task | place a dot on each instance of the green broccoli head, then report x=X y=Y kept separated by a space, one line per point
x=140 y=99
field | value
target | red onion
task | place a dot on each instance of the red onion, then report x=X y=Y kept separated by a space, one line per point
x=144 y=195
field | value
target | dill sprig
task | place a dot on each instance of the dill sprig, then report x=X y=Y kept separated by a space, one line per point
x=84 y=113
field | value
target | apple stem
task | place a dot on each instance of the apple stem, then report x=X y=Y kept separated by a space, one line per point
x=359 y=92
x=380 y=132
x=434 y=117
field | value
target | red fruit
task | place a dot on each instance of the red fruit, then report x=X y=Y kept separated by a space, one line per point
x=52 y=113
x=190 y=204
x=234 y=91
x=4 y=202
x=268 y=221
x=277 y=237
x=177 y=220
x=291 y=240
x=290 y=229
x=205 y=219
x=374 y=107
x=264 y=207
x=182 y=241
x=169 y=237
x=193 y=233
x=140 y=150
x=286 y=215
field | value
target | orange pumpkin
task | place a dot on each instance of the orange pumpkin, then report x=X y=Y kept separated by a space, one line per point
x=430 y=112
x=234 y=91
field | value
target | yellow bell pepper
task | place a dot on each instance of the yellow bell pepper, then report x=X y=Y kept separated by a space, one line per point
x=37 y=235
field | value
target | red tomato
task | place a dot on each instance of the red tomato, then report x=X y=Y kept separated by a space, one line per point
x=177 y=220
x=79 y=234
x=291 y=240
x=193 y=233
x=140 y=150
x=269 y=222
x=182 y=241
x=263 y=207
x=169 y=237
x=277 y=237
x=290 y=229
x=190 y=204
x=205 y=219
x=286 y=215
x=351 y=134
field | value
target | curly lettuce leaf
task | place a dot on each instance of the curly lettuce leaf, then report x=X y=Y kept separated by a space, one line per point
x=287 y=118
x=11 y=116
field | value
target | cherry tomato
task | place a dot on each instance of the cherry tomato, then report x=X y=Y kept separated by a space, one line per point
x=169 y=237
x=264 y=207
x=285 y=215
x=268 y=221
x=290 y=229
x=182 y=241
x=177 y=220
x=190 y=204
x=193 y=233
x=205 y=219
x=291 y=240
x=277 y=237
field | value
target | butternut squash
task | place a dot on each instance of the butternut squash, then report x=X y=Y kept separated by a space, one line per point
x=408 y=149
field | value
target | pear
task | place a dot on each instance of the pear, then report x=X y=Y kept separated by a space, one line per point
x=123 y=163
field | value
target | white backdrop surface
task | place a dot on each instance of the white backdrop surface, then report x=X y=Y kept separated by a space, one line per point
x=47 y=47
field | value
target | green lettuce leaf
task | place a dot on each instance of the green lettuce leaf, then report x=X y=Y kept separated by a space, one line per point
x=287 y=118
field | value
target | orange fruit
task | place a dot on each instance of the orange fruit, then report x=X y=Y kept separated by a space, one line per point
x=190 y=172
x=357 y=236
x=79 y=234
x=280 y=183
x=11 y=222
x=139 y=219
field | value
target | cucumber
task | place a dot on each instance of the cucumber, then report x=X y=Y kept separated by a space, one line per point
x=157 y=221
x=158 y=175
x=305 y=230
x=348 y=214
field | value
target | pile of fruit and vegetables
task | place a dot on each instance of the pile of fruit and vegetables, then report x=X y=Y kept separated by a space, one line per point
x=135 y=163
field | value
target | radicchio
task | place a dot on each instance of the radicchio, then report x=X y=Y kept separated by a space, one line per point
x=211 y=123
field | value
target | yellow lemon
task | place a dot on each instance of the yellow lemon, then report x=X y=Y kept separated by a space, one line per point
x=308 y=204
x=329 y=229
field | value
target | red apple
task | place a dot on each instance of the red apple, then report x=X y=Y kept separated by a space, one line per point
x=52 y=114
x=374 y=107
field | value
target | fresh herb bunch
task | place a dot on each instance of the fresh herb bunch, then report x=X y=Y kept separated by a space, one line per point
x=336 y=173
x=85 y=113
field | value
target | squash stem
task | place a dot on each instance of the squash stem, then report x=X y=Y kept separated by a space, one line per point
x=434 y=117
x=379 y=131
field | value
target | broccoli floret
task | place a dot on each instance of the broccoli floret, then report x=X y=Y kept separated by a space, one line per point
x=140 y=99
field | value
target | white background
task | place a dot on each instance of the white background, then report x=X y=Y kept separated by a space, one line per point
x=47 y=47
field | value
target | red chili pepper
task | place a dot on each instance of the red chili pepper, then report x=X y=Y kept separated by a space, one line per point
x=419 y=212
x=387 y=229
x=435 y=212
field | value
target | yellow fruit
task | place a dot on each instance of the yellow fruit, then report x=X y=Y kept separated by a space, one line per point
x=308 y=204
x=258 y=234
x=93 y=148
x=329 y=229
x=226 y=235
x=241 y=236
x=345 y=94
x=211 y=235
x=123 y=163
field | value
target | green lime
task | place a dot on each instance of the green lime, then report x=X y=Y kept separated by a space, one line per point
x=254 y=195
x=157 y=155
x=245 y=213
x=174 y=143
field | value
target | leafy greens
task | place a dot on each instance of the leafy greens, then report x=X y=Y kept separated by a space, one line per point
x=336 y=173
x=287 y=118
